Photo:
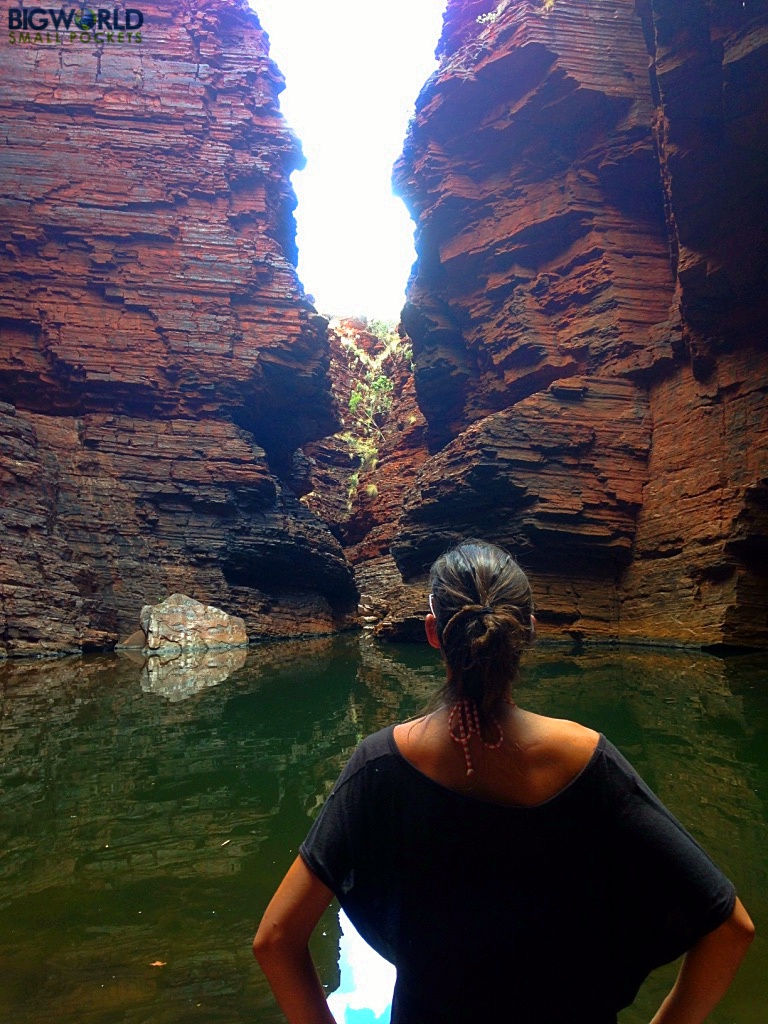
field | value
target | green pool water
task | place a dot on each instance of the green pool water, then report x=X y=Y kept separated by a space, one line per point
x=148 y=816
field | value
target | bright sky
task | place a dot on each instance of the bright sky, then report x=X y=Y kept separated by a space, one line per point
x=353 y=70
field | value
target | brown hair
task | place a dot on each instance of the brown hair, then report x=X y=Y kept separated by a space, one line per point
x=483 y=604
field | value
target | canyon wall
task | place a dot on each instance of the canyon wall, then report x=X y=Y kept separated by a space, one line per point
x=587 y=317
x=159 y=362
x=588 y=312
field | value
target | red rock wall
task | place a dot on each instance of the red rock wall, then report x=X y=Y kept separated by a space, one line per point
x=701 y=568
x=159 y=362
x=586 y=310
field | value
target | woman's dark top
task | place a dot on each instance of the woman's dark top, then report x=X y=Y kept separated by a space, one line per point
x=552 y=914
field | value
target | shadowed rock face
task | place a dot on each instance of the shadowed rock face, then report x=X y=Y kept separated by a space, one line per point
x=159 y=362
x=531 y=170
x=556 y=479
x=702 y=538
x=586 y=315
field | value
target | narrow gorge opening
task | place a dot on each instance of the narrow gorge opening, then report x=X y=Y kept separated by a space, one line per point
x=582 y=332
x=352 y=75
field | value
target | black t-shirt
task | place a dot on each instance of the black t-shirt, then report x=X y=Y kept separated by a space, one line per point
x=552 y=914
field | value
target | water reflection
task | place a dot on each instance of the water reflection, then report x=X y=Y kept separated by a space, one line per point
x=364 y=995
x=188 y=672
x=141 y=834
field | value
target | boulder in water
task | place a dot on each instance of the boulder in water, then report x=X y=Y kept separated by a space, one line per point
x=181 y=623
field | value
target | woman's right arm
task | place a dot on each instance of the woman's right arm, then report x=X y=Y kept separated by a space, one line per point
x=281 y=947
x=707 y=971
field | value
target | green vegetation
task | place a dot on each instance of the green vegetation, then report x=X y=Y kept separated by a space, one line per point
x=384 y=329
x=491 y=16
x=374 y=374
x=370 y=402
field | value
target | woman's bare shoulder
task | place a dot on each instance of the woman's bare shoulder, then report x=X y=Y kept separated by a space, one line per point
x=539 y=756
x=558 y=740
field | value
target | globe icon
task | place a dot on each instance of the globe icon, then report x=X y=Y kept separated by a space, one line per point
x=85 y=19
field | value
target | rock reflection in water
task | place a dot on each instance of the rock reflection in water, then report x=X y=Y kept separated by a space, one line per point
x=179 y=676
x=135 y=829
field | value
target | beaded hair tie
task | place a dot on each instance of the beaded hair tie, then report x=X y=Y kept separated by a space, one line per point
x=463 y=721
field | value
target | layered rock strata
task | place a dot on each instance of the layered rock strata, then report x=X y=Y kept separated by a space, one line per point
x=700 y=570
x=582 y=177
x=327 y=472
x=355 y=479
x=556 y=478
x=159 y=363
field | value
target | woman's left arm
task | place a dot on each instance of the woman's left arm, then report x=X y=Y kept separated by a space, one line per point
x=708 y=970
x=281 y=945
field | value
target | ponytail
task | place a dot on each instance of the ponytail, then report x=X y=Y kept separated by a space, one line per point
x=483 y=606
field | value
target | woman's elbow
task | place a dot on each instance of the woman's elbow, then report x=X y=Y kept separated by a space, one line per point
x=267 y=942
x=273 y=942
